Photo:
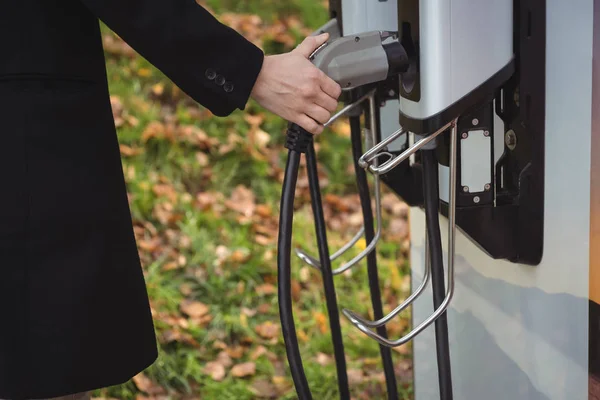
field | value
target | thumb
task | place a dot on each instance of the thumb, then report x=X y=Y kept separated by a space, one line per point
x=311 y=43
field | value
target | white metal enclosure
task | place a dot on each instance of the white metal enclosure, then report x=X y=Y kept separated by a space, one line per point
x=519 y=331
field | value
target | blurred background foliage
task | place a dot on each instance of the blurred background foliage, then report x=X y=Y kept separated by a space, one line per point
x=204 y=194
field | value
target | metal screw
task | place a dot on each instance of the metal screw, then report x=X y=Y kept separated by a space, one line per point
x=486 y=133
x=349 y=84
x=476 y=199
x=357 y=39
x=465 y=135
x=475 y=121
x=465 y=189
x=510 y=139
x=382 y=104
x=392 y=93
x=487 y=186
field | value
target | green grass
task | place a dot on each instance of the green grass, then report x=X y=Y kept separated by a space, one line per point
x=185 y=263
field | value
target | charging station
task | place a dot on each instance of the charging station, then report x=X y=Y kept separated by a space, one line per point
x=484 y=116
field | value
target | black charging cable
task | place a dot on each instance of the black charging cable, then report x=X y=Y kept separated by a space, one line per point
x=432 y=200
x=300 y=141
x=365 y=201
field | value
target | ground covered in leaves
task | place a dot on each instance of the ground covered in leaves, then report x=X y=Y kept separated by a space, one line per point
x=204 y=193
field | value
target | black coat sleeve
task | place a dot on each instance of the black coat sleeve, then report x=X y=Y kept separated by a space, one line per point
x=209 y=61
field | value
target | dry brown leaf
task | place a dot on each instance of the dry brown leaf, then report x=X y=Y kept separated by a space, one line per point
x=263 y=210
x=263 y=240
x=264 y=308
x=240 y=256
x=243 y=370
x=321 y=320
x=242 y=200
x=115 y=46
x=215 y=369
x=206 y=200
x=158 y=89
x=249 y=312
x=323 y=359
x=267 y=330
x=175 y=335
x=296 y=290
x=254 y=120
x=236 y=352
x=128 y=151
x=266 y=289
x=165 y=190
x=224 y=359
x=146 y=385
x=355 y=376
x=258 y=352
x=194 y=309
x=202 y=159
x=264 y=389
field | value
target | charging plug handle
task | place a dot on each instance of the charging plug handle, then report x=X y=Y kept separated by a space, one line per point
x=361 y=59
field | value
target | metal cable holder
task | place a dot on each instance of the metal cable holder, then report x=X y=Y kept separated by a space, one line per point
x=352 y=316
x=369 y=159
x=369 y=141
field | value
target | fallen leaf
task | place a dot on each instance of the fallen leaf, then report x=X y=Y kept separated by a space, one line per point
x=243 y=370
x=240 y=256
x=128 y=151
x=202 y=159
x=266 y=289
x=235 y=352
x=355 y=376
x=146 y=385
x=264 y=389
x=242 y=200
x=323 y=359
x=215 y=369
x=321 y=320
x=264 y=308
x=267 y=330
x=158 y=89
x=258 y=352
x=248 y=312
x=145 y=72
x=224 y=359
x=263 y=210
x=194 y=309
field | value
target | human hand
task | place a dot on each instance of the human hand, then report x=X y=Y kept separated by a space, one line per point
x=290 y=86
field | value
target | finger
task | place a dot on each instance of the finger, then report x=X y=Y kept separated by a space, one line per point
x=331 y=87
x=327 y=102
x=309 y=124
x=311 y=43
x=318 y=113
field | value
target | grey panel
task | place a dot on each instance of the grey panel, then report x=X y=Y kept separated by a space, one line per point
x=521 y=332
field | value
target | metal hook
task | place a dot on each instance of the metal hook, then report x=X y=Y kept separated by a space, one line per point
x=451 y=247
x=368 y=159
x=369 y=140
x=405 y=303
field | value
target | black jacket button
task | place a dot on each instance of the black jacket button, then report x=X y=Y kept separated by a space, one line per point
x=220 y=80
x=210 y=74
x=228 y=87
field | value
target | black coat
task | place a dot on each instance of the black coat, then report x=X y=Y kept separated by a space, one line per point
x=74 y=313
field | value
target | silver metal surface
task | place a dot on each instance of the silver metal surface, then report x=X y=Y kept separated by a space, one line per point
x=369 y=140
x=476 y=161
x=450 y=261
x=409 y=300
x=353 y=63
x=367 y=15
x=515 y=331
x=370 y=157
x=462 y=43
